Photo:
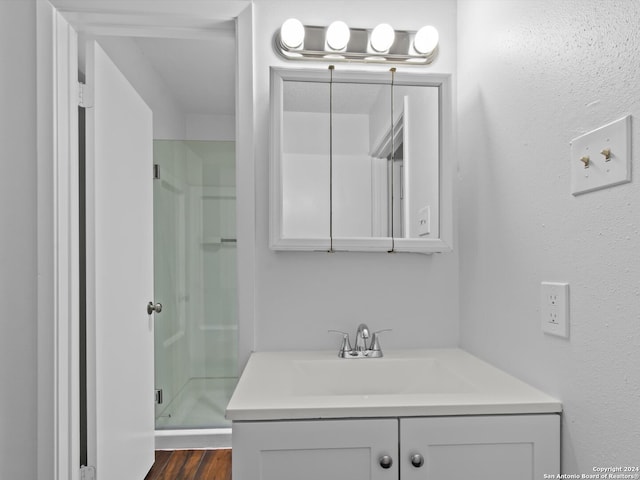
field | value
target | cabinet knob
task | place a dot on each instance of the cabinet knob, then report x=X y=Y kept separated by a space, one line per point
x=385 y=461
x=417 y=460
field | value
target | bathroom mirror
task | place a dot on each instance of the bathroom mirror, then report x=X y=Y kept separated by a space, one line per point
x=360 y=161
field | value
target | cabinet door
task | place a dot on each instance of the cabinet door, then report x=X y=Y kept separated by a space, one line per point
x=315 y=450
x=503 y=447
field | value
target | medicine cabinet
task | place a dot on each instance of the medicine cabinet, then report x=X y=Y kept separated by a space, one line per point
x=360 y=161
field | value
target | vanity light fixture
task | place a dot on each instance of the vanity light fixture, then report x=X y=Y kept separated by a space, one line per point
x=338 y=35
x=382 y=37
x=292 y=33
x=339 y=42
x=426 y=40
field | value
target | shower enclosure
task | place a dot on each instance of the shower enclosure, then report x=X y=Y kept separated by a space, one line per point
x=195 y=281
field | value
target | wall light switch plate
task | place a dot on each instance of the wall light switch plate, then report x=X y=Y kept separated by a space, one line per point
x=591 y=167
x=554 y=308
x=424 y=221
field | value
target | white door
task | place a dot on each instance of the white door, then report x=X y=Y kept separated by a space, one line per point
x=119 y=213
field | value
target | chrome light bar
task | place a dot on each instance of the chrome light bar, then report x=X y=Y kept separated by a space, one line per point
x=338 y=42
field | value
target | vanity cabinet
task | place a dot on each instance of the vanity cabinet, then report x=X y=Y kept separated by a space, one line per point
x=315 y=449
x=484 y=447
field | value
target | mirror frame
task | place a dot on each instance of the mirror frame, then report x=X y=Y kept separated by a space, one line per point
x=442 y=243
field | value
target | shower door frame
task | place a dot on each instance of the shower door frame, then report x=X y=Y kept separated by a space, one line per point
x=57 y=21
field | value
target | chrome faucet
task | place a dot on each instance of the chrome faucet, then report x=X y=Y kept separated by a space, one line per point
x=361 y=338
x=362 y=349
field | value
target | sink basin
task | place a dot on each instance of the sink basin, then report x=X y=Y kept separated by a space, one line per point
x=379 y=376
x=403 y=383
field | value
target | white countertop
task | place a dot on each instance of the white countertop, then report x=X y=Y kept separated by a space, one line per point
x=404 y=383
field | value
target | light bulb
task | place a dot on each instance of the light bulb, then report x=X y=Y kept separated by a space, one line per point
x=382 y=37
x=426 y=40
x=338 y=35
x=292 y=33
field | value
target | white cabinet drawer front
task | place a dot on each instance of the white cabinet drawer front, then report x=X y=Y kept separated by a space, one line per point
x=518 y=447
x=315 y=450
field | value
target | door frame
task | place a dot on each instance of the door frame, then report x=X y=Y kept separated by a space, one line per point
x=57 y=180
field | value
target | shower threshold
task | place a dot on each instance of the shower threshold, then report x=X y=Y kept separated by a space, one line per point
x=198 y=438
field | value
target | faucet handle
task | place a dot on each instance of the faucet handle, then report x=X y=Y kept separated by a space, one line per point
x=375 y=343
x=345 y=347
x=338 y=331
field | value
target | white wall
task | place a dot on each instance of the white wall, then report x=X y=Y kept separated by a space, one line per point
x=18 y=279
x=301 y=295
x=533 y=74
x=209 y=127
x=168 y=118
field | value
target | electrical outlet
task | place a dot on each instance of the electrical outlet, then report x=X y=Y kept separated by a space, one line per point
x=554 y=308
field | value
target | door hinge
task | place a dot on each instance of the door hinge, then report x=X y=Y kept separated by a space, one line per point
x=156 y=171
x=159 y=396
x=87 y=473
x=85 y=98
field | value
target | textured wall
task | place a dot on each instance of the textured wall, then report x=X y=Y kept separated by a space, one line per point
x=532 y=76
x=299 y=295
x=18 y=279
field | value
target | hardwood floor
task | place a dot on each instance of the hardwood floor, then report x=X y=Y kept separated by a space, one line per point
x=191 y=465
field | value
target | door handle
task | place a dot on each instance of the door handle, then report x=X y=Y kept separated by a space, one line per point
x=157 y=308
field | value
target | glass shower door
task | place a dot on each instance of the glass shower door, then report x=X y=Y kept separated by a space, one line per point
x=195 y=280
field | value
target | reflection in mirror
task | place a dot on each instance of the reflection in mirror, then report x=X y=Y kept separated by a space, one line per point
x=377 y=194
x=305 y=160
x=389 y=187
x=358 y=110
x=416 y=165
